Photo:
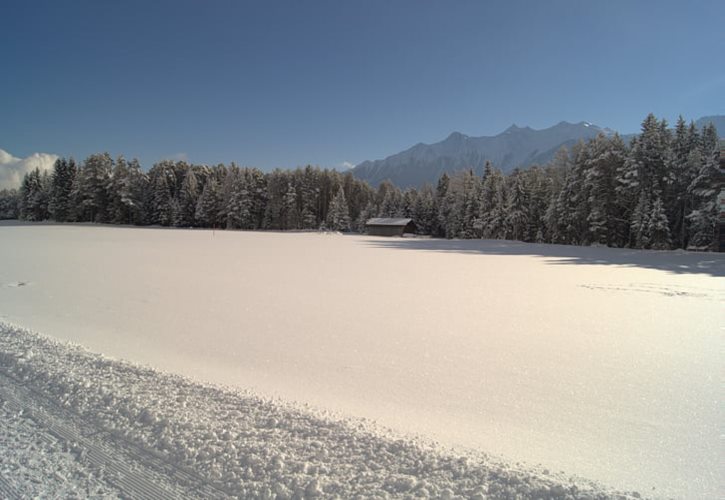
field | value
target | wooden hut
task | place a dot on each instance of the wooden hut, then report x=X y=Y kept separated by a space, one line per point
x=383 y=226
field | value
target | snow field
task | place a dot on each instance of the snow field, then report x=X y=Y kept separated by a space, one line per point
x=603 y=363
x=243 y=445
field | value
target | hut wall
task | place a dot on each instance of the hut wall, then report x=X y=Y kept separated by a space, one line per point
x=385 y=230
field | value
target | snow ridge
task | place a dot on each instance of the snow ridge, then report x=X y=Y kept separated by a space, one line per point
x=246 y=446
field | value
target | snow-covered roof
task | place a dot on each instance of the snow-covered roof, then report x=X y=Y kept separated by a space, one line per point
x=386 y=221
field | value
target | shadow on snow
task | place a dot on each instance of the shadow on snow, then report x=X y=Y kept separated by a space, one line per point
x=673 y=261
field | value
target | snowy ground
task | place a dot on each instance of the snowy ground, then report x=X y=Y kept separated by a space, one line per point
x=79 y=424
x=599 y=362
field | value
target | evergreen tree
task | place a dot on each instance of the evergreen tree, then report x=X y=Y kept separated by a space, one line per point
x=368 y=212
x=207 y=207
x=606 y=156
x=161 y=198
x=292 y=216
x=424 y=211
x=9 y=204
x=659 y=229
x=188 y=199
x=119 y=189
x=35 y=196
x=493 y=205
x=441 y=206
x=641 y=224
x=90 y=192
x=538 y=189
x=62 y=178
x=470 y=205
x=516 y=218
x=338 y=216
x=239 y=204
x=136 y=194
x=704 y=190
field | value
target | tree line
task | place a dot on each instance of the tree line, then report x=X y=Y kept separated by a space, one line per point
x=657 y=191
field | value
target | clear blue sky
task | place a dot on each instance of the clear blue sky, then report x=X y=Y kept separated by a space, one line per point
x=284 y=84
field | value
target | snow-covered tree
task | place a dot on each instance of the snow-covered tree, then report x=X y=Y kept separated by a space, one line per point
x=61 y=180
x=188 y=199
x=704 y=190
x=640 y=224
x=338 y=215
x=9 y=204
x=90 y=189
x=207 y=207
x=516 y=218
x=35 y=196
x=493 y=204
x=659 y=228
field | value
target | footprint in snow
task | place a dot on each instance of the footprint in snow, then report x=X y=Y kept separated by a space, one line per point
x=669 y=291
x=17 y=284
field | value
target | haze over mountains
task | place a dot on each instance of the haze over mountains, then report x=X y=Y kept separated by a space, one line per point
x=514 y=147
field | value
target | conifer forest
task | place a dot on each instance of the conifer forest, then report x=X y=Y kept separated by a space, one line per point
x=656 y=190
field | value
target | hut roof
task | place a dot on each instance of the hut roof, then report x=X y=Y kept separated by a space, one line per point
x=385 y=221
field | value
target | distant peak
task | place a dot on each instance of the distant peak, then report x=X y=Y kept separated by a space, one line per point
x=516 y=128
x=456 y=136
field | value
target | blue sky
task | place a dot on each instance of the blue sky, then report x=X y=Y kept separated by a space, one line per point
x=282 y=84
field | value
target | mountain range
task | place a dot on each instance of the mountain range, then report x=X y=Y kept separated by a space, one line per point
x=512 y=148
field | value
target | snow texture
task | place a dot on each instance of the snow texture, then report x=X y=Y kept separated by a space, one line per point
x=604 y=363
x=195 y=440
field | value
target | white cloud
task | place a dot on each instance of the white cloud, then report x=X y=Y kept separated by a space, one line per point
x=346 y=165
x=13 y=169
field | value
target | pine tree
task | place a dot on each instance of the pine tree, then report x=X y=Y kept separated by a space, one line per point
x=136 y=195
x=470 y=206
x=366 y=213
x=188 y=199
x=606 y=156
x=640 y=225
x=659 y=229
x=239 y=204
x=291 y=217
x=207 y=207
x=9 y=204
x=424 y=212
x=516 y=218
x=685 y=161
x=338 y=217
x=35 y=196
x=119 y=189
x=538 y=188
x=62 y=178
x=556 y=215
x=493 y=201
x=440 y=205
x=161 y=199
x=90 y=191
x=704 y=190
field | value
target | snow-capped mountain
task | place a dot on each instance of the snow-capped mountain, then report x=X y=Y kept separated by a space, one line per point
x=514 y=147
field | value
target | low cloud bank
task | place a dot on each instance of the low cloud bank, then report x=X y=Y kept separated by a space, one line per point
x=12 y=169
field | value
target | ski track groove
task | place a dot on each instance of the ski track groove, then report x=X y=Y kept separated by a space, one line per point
x=135 y=483
x=7 y=491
